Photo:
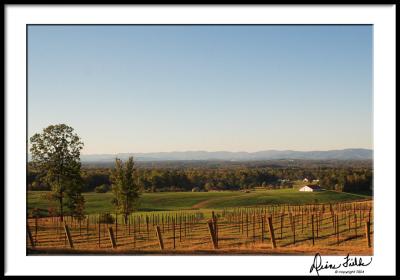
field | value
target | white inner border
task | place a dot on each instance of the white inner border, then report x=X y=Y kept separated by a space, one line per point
x=16 y=261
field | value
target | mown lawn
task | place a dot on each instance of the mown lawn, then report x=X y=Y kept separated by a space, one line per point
x=98 y=203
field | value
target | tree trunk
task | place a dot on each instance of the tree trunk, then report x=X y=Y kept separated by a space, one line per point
x=61 y=199
x=61 y=208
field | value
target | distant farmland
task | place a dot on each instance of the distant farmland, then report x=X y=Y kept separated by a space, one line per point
x=164 y=201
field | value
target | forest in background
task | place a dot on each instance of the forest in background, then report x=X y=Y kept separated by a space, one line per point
x=347 y=176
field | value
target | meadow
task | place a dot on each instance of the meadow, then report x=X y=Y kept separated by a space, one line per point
x=169 y=201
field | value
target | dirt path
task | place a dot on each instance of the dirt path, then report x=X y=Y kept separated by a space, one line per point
x=203 y=203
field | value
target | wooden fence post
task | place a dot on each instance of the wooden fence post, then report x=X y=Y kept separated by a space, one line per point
x=212 y=234
x=36 y=229
x=293 y=224
x=134 y=232
x=99 y=231
x=348 y=218
x=116 y=226
x=312 y=228
x=355 y=223
x=129 y=225
x=247 y=224
x=147 y=226
x=271 y=232
x=215 y=227
x=112 y=239
x=369 y=215
x=30 y=236
x=159 y=236
x=184 y=225
x=262 y=228
x=368 y=232
x=87 y=228
x=337 y=229
x=180 y=228
x=68 y=234
x=173 y=230
x=241 y=221
x=254 y=227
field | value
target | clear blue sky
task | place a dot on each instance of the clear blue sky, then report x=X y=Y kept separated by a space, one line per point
x=179 y=88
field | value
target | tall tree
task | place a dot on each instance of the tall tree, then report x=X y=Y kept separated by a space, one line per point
x=124 y=187
x=56 y=153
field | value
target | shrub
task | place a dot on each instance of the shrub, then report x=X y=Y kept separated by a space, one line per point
x=175 y=189
x=101 y=189
x=38 y=186
x=52 y=211
x=36 y=213
x=106 y=219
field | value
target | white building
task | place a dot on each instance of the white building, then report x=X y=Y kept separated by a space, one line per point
x=312 y=188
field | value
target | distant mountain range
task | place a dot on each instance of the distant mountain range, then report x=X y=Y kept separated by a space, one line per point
x=345 y=154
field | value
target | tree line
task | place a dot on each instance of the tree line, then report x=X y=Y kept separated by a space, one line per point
x=203 y=178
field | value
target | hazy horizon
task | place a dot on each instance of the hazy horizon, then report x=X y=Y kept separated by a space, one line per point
x=151 y=89
x=345 y=154
x=229 y=151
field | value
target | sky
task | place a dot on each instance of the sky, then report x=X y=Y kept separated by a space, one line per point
x=132 y=88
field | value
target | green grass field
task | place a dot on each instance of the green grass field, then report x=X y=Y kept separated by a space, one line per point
x=100 y=203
